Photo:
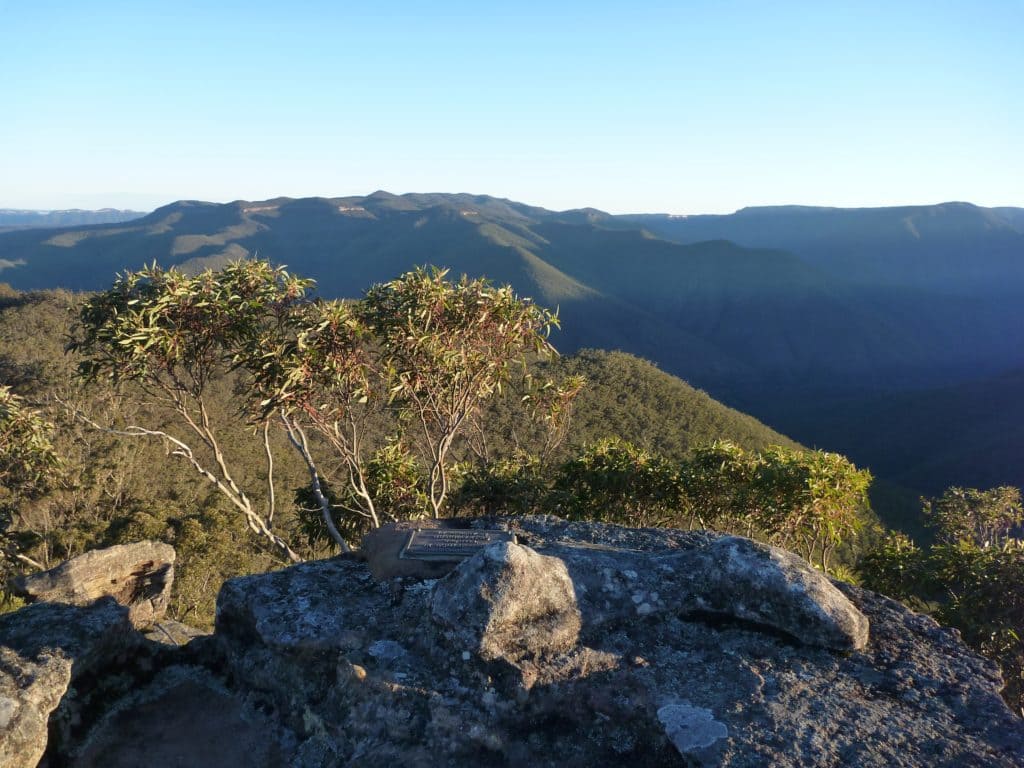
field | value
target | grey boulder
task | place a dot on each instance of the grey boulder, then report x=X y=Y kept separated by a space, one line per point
x=707 y=574
x=508 y=602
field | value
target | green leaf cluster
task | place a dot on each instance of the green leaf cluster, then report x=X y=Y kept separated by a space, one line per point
x=166 y=326
x=28 y=462
x=419 y=350
x=972 y=578
x=986 y=518
x=29 y=466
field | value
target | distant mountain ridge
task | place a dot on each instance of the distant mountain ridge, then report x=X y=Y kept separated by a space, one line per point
x=711 y=311
x=71 y=217
x=908 y=245
x=778 y=311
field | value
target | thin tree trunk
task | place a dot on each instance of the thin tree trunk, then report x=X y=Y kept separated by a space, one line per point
x=297 y=437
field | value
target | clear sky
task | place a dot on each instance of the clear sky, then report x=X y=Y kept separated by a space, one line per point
x=684 y=107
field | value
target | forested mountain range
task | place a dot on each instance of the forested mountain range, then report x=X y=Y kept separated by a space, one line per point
x=887 y=333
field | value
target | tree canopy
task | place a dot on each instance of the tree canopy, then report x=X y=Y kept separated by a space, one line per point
x=972 y=578
x=448 y=347
x=419 y=350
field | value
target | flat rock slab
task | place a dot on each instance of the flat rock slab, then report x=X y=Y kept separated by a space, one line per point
x=301 y=609
x=364 y=674
x=138 y=576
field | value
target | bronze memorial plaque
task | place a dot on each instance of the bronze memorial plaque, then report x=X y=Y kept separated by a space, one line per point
x=450 y=544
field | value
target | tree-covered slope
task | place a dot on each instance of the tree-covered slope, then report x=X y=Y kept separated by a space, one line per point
x=946 y=246
x=631 y=398
x=624 y=396
x=949 y=275
x=116 y=489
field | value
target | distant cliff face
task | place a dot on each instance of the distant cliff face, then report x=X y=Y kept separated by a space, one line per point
x=573 y=644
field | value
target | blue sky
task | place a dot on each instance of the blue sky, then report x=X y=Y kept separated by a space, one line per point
x=684 y=107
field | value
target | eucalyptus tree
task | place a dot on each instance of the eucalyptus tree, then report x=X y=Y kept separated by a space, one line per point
x=616 y=481
x=446 y=348
x=716 y=478
x=174 y=335
x=812 y=501
x=986 y=517
x=418 y=350
x=319 y=369
x=28 y=462
x=971 y=578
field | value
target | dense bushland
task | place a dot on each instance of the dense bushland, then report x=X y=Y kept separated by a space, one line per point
x=176 y=390
x=971 y=577
x=808 y=501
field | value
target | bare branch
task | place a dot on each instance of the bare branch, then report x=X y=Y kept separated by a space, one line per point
x=270 y=471
x=179 y=448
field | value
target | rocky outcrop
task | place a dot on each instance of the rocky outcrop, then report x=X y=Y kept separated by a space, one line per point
x=693 y=649
x=45 y=650
x=29 y=691
x=578 y=645
x=138 y=576
x=706 y=574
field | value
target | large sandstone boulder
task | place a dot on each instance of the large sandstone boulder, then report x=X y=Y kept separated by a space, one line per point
x=726 y=576
x=581 y=645
x=138 y=576
x=30 y=690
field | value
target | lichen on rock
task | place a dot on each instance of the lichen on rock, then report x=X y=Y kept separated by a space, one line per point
x=693 y=731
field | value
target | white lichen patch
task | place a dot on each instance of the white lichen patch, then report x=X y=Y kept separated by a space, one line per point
x=691 y=729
